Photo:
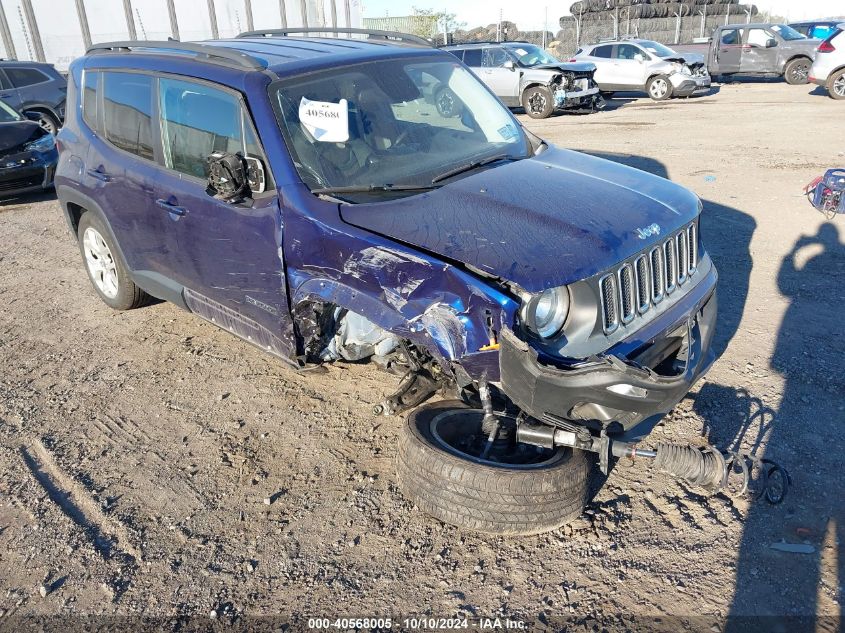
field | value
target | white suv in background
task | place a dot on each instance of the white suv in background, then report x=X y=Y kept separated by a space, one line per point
x=645 y=66
x=829 y=68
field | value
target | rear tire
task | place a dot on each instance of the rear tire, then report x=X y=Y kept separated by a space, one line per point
x=836 y=85
x=797 y=71
x=487 y=497
x=659 y=88
x=538 y=102
x=106 y=269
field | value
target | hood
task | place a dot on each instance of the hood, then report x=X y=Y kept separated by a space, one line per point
x=541 y=222
x=575 y=67
x=692 y=59
x=14 y=135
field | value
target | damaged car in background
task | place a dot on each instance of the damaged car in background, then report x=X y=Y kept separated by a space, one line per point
x=28 y=153
x=305 y=194
x=524 y=75
x=634 y=65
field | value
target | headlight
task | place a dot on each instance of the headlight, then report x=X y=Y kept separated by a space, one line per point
x=546 y=312
x=43 y=144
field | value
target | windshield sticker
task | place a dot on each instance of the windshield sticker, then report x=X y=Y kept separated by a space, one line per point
x=326 y=122
x=508 y=132
x=521 y=52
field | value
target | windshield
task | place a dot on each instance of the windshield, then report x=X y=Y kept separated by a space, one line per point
x=787 y=32
x=7 y=115
x=658 y=49
x=392 y=124
x=530 y=55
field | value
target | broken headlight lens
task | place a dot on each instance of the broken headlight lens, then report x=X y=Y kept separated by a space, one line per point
x=546 y=312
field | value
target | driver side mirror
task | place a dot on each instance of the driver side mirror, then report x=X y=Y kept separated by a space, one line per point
x=771 y=42
x=509 y=65
x=639 y=57
x=232 y=178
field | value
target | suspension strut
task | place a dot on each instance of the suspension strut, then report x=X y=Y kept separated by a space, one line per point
x=730 y=472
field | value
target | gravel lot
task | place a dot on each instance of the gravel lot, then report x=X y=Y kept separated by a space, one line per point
x=153 y=464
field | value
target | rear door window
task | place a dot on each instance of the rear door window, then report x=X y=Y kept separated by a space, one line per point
x=127 y=116
x=604 y=52
x=22 y=77
x=472 y=57
x=198 y=120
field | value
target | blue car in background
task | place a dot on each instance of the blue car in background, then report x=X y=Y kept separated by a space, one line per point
x=28 y=153
x=817 y=29
x=306 y=194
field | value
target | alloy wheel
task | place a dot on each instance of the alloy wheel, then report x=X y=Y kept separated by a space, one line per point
x=801 y=73
x=659 y=87
x=839 y=85
x=100 y=262
x=537 y=102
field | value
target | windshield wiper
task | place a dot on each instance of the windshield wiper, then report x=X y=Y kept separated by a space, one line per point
x=373 y=188
x=472 y=165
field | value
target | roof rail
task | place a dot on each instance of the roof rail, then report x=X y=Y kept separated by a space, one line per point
x=217 y=54
x=388 y=36
x=488 y=42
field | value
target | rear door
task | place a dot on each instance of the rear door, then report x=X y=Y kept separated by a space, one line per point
x=602 y=57
x=8 y=92
x=120 y=169
x=757 y=56
x=227 y=256
x=504 y=82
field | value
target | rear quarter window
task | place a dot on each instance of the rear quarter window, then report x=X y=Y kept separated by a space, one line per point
x=127 y=115
x=22 y=77
x=90 y=81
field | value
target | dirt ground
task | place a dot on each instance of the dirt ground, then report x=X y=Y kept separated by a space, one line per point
x=151 y=464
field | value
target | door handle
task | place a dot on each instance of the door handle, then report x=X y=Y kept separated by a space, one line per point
x=99 y=175
x=170 y=207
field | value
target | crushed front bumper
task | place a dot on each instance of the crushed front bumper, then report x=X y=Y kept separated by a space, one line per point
x=587 y=99
x=686 y=86
x=27 y=172
x=617 y=390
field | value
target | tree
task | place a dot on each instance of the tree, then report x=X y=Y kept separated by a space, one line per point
x=428 y=22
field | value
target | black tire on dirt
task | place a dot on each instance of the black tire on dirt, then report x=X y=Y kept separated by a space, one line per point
x=538 y=102
x=128 y=295
x=797 y=71
x=481 y=495
x=836 y=84
x=659 y=88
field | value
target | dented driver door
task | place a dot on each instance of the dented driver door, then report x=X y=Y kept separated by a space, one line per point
x=227 y=255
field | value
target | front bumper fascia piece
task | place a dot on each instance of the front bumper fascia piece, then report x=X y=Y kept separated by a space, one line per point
x=608 y=383
x=589 y=99
x=685 y=86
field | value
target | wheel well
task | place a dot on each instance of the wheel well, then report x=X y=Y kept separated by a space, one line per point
x=834 y=71
x=794 y=57
x=533 y=84
x=44 y=110
x=75 y=212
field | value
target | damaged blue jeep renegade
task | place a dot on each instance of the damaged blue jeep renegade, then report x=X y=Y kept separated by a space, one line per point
x=306 y=194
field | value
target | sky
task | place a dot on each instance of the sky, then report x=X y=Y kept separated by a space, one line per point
x=530 y=14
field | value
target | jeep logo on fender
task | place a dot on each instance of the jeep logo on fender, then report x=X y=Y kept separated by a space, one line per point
x=646 y=232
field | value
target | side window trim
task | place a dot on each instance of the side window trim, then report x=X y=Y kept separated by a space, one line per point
x=245 y=122
x=154 y=122
x=44 y=80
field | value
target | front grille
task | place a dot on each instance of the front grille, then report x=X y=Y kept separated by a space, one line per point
x=658 y=277
x=650 y=277
x=609 y=312
x=626 y=293
x=25 y=182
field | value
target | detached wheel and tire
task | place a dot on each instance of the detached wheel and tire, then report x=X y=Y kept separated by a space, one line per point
x=659 y=88
x=538 y=102
x=516 y=489
x=797 y=71
x=836 y=85
x=106 y=269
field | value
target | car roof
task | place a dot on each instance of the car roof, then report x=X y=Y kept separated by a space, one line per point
x=22 y=62
x=281 y=55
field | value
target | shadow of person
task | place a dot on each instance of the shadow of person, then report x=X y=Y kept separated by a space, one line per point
x=805 y=434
